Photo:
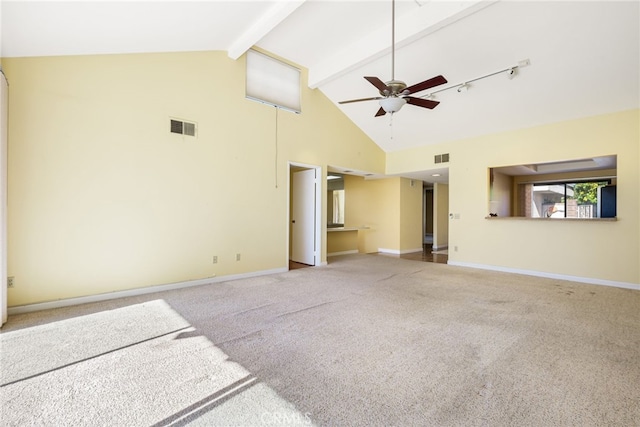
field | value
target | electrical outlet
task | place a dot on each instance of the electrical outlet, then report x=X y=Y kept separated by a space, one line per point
x=237 y=257
x=215 y=259
x=455 y=249
x=10 y=282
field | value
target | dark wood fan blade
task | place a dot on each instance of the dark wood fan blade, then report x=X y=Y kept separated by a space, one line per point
x=426 y=103
x=359 y=100
x=427 y=84
x=381 y=112
x=379 y=84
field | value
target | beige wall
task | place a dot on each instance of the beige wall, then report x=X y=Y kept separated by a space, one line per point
x=103 y=198
x=391 y=208
x=599 y=250
x=4 y=96
x=411 y=215
x=341 y=242
x=373 y=204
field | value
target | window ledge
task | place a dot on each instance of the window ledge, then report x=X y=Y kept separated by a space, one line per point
x=521 y=218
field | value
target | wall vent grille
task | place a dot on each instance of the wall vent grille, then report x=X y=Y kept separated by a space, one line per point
x=182 y=127
x=441 y=158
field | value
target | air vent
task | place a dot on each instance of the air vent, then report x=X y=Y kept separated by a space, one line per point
x=183 y=128
x=441 y=158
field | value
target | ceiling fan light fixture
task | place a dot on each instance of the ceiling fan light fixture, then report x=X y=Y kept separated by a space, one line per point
x=394 y=91
x=392 y=104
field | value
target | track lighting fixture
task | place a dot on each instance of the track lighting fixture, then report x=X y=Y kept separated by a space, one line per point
x=510 y=72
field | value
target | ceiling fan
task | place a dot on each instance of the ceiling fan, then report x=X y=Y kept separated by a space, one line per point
x=395 y=93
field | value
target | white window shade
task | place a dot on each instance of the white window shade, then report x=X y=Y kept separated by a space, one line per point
x=272 y=82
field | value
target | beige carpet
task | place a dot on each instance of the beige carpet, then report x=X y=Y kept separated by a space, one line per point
x=366 y=340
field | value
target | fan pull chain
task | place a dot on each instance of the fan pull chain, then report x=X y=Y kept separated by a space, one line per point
x=391 y=127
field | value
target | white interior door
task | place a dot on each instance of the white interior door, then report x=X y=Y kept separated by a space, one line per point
x=303 y=220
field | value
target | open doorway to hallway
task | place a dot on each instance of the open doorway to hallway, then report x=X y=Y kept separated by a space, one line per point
x=435 y=207
x=427 y=222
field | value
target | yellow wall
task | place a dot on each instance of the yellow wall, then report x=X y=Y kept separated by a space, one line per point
x=373 y=204
x=390 y=207
x=411 y=233
x=103 y=198
x=4 y=116
x=341 y=242
x=600 y=250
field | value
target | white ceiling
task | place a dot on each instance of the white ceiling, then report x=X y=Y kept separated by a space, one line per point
x=584 y=55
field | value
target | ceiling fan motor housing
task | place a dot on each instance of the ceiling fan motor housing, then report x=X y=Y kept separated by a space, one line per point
x=396 y=87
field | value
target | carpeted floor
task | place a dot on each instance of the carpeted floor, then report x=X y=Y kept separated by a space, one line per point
x=367 y=340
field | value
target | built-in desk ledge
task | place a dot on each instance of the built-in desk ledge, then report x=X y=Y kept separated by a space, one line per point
x=524 y=218
x=346 y=228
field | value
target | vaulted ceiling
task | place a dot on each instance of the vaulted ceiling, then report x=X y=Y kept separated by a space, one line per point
x=582 y=57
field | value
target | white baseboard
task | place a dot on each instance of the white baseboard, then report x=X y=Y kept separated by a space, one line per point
x=439 y=248
x=398 y=251
x=589 y=280
x=353 y=251
x=136 y=292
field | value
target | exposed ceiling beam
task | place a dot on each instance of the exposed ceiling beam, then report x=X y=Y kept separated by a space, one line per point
x=267 y=22
x=426 y=20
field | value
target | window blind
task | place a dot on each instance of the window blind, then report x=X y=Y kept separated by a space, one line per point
x=272 y=82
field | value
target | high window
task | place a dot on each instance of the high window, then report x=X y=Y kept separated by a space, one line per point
x=272 y=82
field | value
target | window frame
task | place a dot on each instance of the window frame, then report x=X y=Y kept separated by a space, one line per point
x=565 y=184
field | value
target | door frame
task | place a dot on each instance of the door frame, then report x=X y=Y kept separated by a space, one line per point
x=318 y=211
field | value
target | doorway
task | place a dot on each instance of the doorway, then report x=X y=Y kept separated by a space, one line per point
x=427 y=223
x=305 y=217
x=430 y=217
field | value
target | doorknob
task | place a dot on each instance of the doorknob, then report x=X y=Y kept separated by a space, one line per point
x=293 y=221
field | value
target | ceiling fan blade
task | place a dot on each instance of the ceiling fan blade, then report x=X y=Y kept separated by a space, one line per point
x=379 y=84
x=427 y=84
x=359 y=100
x=419 y=102
x=380 y=112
